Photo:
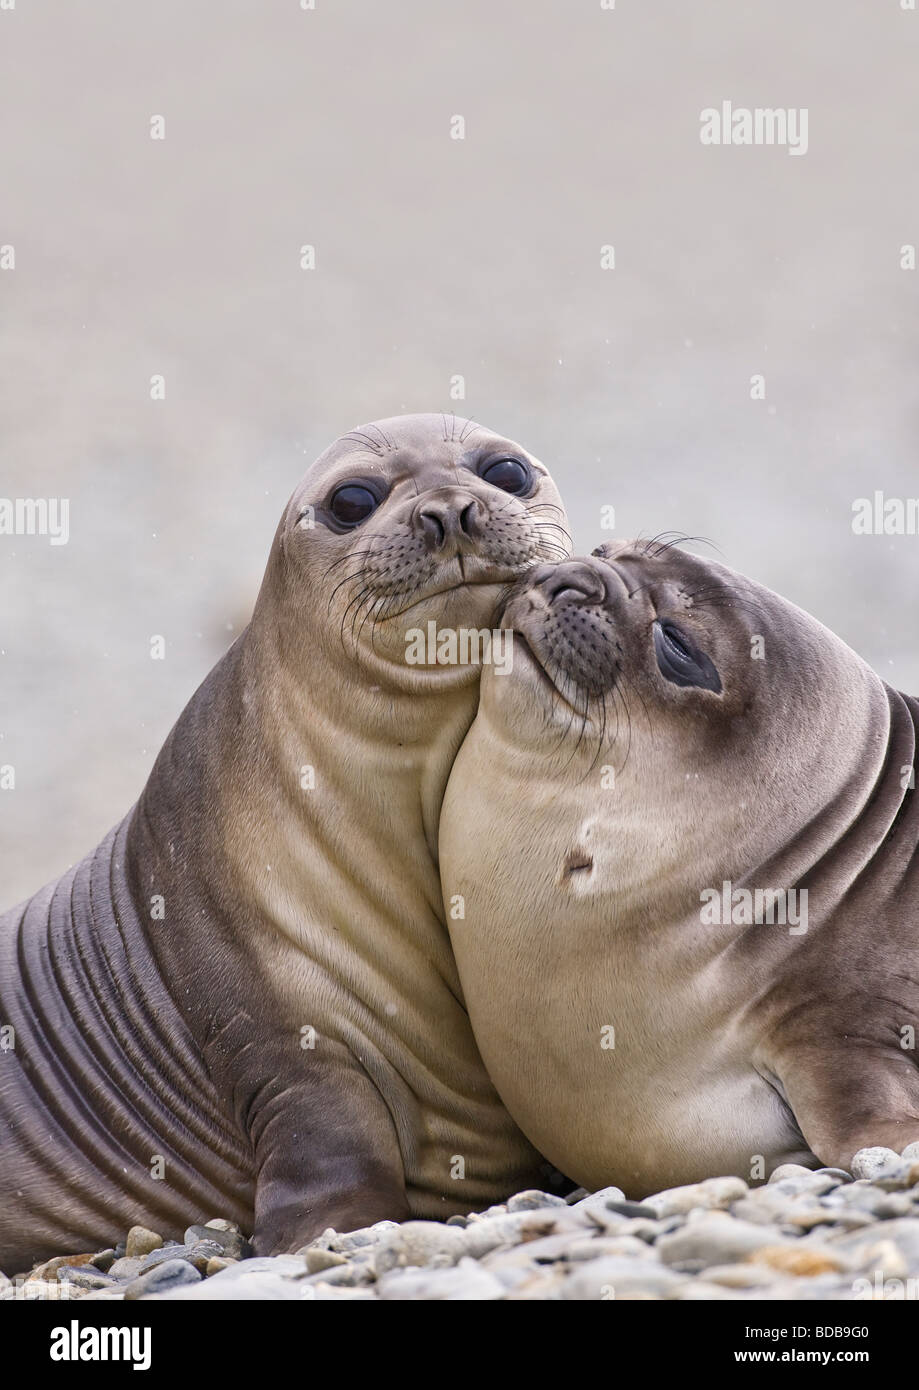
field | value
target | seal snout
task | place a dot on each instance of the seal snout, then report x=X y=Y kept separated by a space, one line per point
x=449 y=521
x=566 y=616
x=572 y=581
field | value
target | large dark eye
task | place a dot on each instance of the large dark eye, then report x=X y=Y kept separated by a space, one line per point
x=352 y=504
x=510 y=475
x=680 y=661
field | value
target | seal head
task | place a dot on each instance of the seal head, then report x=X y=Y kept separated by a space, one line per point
x=408 y=520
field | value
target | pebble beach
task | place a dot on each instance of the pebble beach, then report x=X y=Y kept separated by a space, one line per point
x=803 y=1235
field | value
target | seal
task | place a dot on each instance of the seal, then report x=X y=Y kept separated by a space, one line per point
x=678 y=849
x=244 y=1001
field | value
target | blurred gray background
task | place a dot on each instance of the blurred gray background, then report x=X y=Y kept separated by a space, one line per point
x=435 y=257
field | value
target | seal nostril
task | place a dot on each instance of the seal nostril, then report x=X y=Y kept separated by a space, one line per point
x=469 y=519
x=450 y=519
x=433 y=529
x=573 y=581
x=570 y=592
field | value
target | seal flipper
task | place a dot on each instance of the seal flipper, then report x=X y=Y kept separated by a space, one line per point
x=849 y=1094
x=325 y=1145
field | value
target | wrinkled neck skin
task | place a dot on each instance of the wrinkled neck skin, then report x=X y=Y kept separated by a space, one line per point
x=350 y=755
x=379 y=736
x=293 y=814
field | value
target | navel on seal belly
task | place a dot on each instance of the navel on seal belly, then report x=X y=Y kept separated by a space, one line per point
x=244 y=1003
x=684 y=831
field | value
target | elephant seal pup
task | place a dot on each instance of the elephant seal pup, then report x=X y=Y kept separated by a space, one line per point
x=244 y=1002
x=678 y=854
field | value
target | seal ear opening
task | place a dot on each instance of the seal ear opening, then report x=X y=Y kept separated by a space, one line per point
x=606 y=551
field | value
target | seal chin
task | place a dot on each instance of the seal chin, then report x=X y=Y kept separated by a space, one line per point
x=557 y=692
x=562 y=651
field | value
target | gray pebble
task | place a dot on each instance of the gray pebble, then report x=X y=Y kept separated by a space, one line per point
x=632 y=1209
x=514 y=1277
x=168 y=1275
x=499 y=1209
x=254 y=1288
x=647 y=1230
x=534 y=1201
x=797 y=1184
x=839 y=1173
x=712 y=1194
x=894 y=1204
x=788 y=1170
x=322 y=1293
x=169 y=1253
x=346 y=1274
x=202 y=1252
x=344 y=1242
x=227 y=1243
x=543 y=1284
x=716 y=1238
x=522 y=1227
x=599 y=1246
x=807 y=1218
x=881 y=1258
x=529 y=1252
x=744 y=1276
x=859 y=1195
x=320 y=1242
x=699 y=1290
x=421 y=1243
x=84 y=1277
x=774 y=1204
x=900 y=1234
x=318 y=1260
x=600 y=1198
x=276 y=1266
x=872 y=1163
x=103 y=1260
x=613 y=1277
x=467 y=1282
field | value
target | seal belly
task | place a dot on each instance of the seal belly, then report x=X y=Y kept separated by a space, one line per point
x=665 y=1108
x=672 y=1133
x=105 y=1105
